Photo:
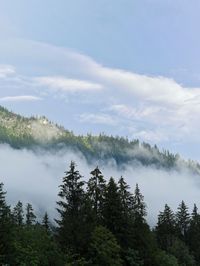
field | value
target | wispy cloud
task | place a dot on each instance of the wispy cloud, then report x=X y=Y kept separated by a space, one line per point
x=68 y=85
x=142 y=103
x=6 y=70
x=98 y=119
x=21 y=98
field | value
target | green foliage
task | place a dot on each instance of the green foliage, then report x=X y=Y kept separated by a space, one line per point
x=34 y=132
x=100 y=223
x=104 y=249
x=164 y=259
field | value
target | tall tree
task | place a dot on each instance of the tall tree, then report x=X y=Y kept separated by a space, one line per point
x=96 y=191
x=194 y=234
x=112 y=209
x=18 y=213
x=165 y=229
x=70 y=209
x=45 y=222
x=6 y=226
x=30 y=216
x=139 y=206
x=183 y=220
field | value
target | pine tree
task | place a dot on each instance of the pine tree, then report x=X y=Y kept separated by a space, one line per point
x=194 y=234
x=139 y=207
x=6 y=227
x=18 y=213
x=70 y=208
x=127 y=204
x=30 y=216
x=112 y=209
x=96 y=191
x=45 y=222
x=165 y=229
x=183 y=221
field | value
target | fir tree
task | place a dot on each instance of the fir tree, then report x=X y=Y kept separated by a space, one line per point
x=165 y=229
x=139 y=206
x=112 y=210
x=30 y=216
x=96 y=191
x=70 y=208
x=183 y=220
x=6 y=226
x=18 y=213
x=194 y=234
x=45 y=222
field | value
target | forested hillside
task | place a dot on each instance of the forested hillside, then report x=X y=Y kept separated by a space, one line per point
x=99 y=223
x=39 y=133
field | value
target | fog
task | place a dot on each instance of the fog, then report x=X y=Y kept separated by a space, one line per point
x=35 y=177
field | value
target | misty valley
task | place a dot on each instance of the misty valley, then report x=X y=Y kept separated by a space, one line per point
x=128 y=210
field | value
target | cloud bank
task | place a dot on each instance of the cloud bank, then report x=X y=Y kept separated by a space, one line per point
x=35 y=178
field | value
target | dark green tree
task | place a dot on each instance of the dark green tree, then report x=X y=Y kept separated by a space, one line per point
x=139 y=206
x=45 y=222
x=6 y=230
x=183 y=221
x=18 y=214
x=194 y=234
x=71 y=226
x=104 y=249
x=112 y=209
x=166 y=228
x=30 y=216
x=96 y=191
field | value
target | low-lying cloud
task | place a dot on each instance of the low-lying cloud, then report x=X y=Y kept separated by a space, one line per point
x=35 y=178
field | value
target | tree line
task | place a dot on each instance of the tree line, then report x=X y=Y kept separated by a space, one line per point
x=99 y=223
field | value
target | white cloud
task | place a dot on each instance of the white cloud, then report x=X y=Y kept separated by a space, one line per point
x=98 y=119
x=6 y=70
x=68 y=85
x=159 y=103
x=21 y=98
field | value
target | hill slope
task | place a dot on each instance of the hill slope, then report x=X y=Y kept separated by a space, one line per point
x=39 y=133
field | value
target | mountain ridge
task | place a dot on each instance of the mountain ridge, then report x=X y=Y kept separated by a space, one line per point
x=39 y=133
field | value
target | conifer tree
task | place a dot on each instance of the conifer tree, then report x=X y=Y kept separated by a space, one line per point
x=6 y=226
x=96 y=192
x=139 y=207
x=183 y=220
x=30 y=216
x=18 y=213
x=70 y=209
x=194 y=234
x=127 y=204
x=165 y=229
x=45 y=222
x=112 y=209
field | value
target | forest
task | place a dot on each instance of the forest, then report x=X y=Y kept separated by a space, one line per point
x=99 y=223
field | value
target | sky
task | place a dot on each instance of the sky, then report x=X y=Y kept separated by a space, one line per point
x=126 y=67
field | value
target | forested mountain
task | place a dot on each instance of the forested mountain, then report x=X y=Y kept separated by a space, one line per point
x=39 y=133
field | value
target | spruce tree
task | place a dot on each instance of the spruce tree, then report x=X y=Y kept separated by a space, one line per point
x=96 y=192
x=30 y=216
x=6 y=227
x=18 y=213
x=194 y=234
x=183 y=221
x=166 y=228
x=139 y=206
x=45 y=222
x=127 y=204
x=112 y=209
x=70 y=208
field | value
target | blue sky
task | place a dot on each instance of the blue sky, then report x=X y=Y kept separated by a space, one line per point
x=126 y=67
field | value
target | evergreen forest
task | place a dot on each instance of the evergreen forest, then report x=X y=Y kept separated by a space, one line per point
x=100 y=221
